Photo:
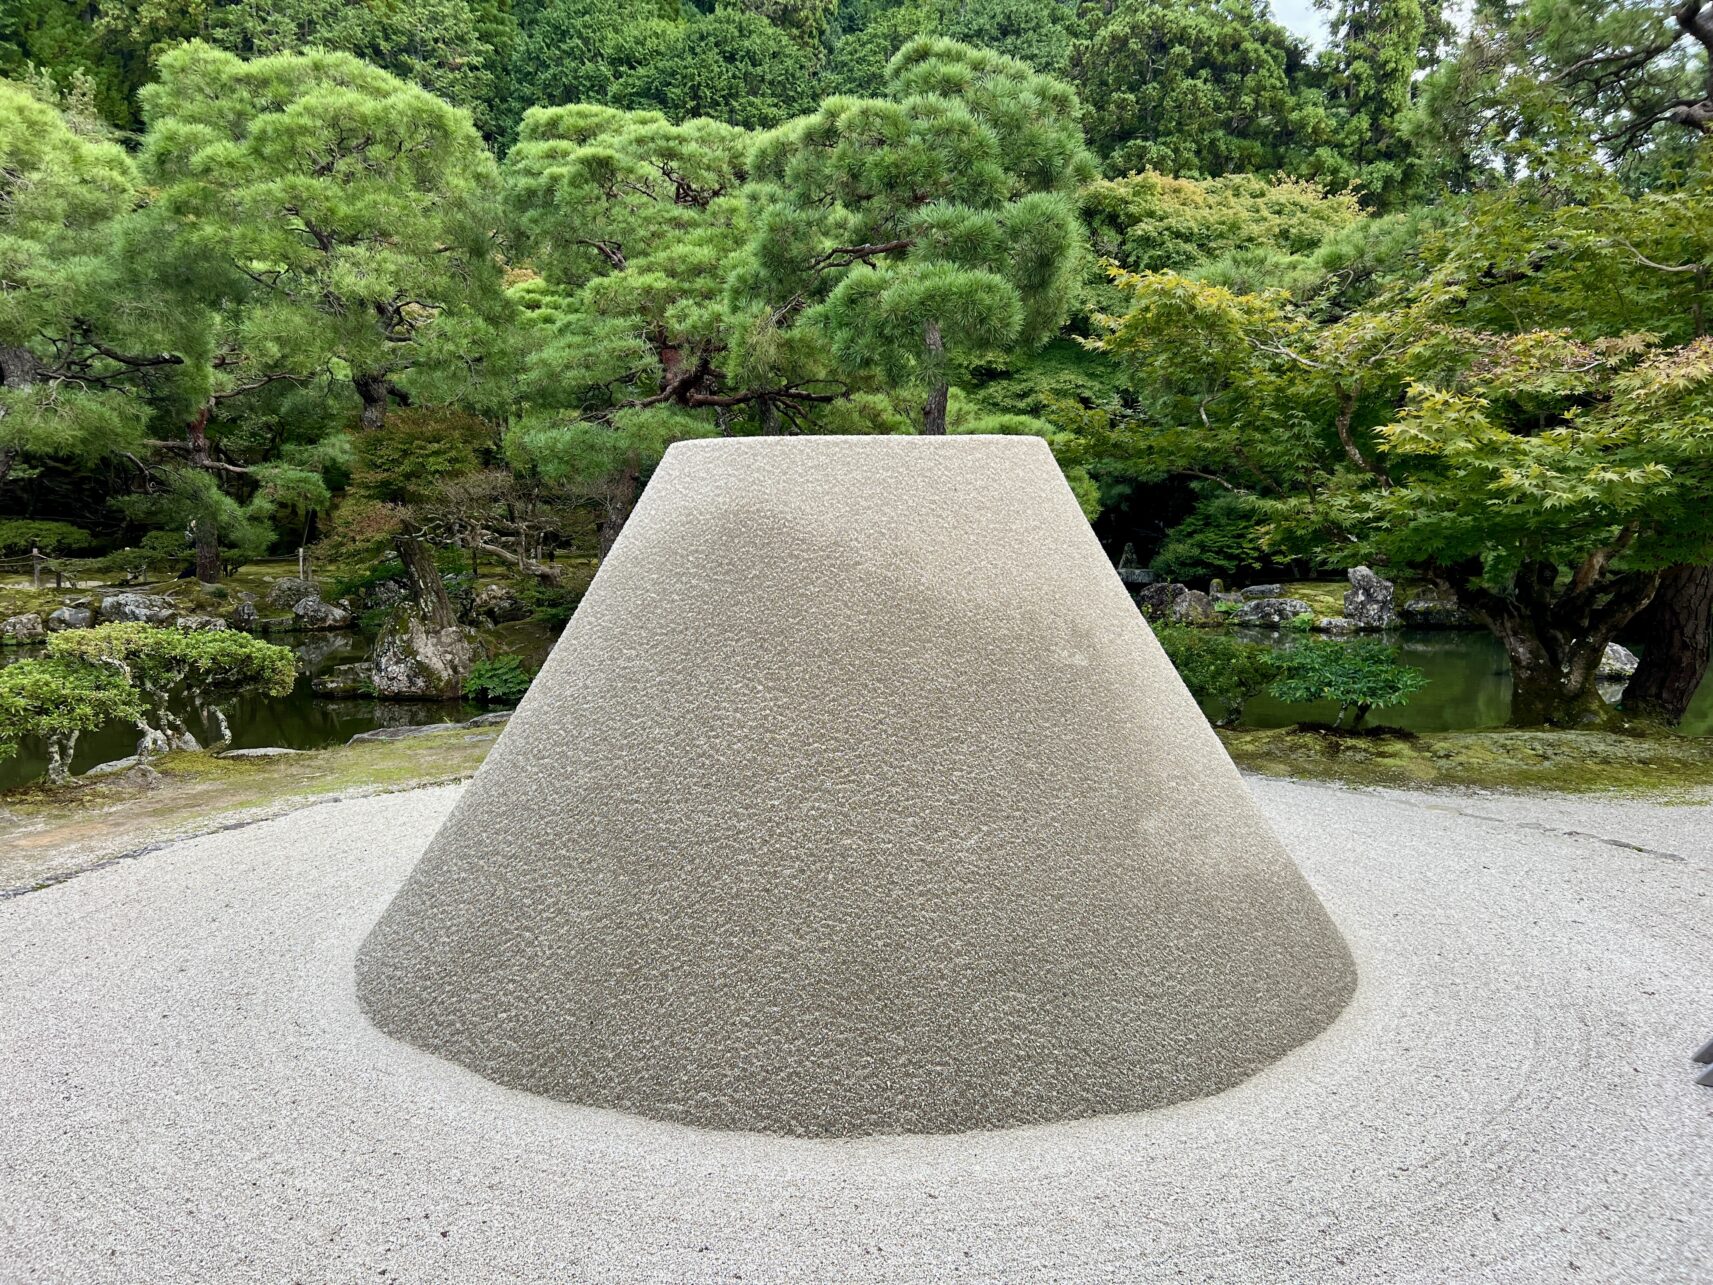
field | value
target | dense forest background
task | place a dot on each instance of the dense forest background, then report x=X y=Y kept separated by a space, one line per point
x=409 y=280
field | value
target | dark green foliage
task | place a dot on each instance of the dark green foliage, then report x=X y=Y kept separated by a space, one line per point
x=1359 y=676
x=551 y=605
x=501 y=680
x=1218 y=669
x=455 y=49
x=732 y=66
x=20 y=535
x=1221 y=537
x=1190 y=87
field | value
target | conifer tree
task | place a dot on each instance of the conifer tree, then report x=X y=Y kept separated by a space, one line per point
x=927 y=227
x=343 y=214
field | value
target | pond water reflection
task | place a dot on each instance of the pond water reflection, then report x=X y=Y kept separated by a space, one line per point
x=1469 y=686
x=300 y=721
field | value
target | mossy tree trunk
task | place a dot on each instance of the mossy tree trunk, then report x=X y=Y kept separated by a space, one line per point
x=1555 y=631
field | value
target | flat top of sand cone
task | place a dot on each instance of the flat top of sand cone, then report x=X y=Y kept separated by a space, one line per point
x=857 y=798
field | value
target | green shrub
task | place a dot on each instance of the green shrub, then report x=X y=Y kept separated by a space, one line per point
x=500 y=681
x=1219 y=669
x=551 y=605
x=205 y=667
x=1360 y=676
x=58 y=700
x=20 y=535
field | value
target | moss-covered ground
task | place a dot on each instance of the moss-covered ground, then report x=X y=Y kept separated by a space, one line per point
x=46 y=834
x=1659 y=765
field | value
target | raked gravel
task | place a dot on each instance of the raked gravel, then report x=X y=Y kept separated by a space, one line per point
x=188 y=1092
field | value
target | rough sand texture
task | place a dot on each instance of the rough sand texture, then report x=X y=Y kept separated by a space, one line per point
x=190 y=1093
x=857 y=798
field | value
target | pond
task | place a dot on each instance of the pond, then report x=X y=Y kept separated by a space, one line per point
x=300 y=721
x=1469 y=686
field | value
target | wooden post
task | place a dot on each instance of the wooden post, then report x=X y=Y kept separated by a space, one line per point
x=301 y=564
x=35 y=567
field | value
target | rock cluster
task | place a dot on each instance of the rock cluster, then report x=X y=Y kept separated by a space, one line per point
x=1437 y=613
x=1175 y=604
x=18 y=631
x=1270 y=613
x=1370 y=602
x=141 y=608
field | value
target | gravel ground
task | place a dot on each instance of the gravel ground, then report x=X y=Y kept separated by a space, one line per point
x=188 y=1093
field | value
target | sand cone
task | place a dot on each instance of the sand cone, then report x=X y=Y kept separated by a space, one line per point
x=857 y=798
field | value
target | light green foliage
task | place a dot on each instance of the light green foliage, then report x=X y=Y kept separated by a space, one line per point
x=501 y=680
x=1189 y=87
x=57 y=700
x=926 y=227
x=157 y=660
x=75 y=346
x=1543 y=472
x=161 y=665
x=346 y=210
x=1218 y=669
x=1359 y=676
x=1151 y=222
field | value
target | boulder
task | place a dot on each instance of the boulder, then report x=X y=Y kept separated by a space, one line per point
x=201 y=624
x=1617 y=664
x=1262 y=591
x=141 y=608
x=244 y=616
x=496 y=719
x=70 y=617
x=497 y=602
x=312 y=613
x=344 y=681
x=17 y=631
x=402 y=733
x=1437 y=613
x=259 y=752
x=290 y=591
x=1370 y=602
x=1175 y=604
x=1271 y=613
x=413 y=660
x=1334 y=625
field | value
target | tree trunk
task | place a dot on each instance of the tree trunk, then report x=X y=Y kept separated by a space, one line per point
x=373 y=391
x=620 y=499
x=427 y=590
x=17 y=370
x=60 y=749
x=1555 y=636
x=207 y=541
x=1676 y=637
x=934 y=409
